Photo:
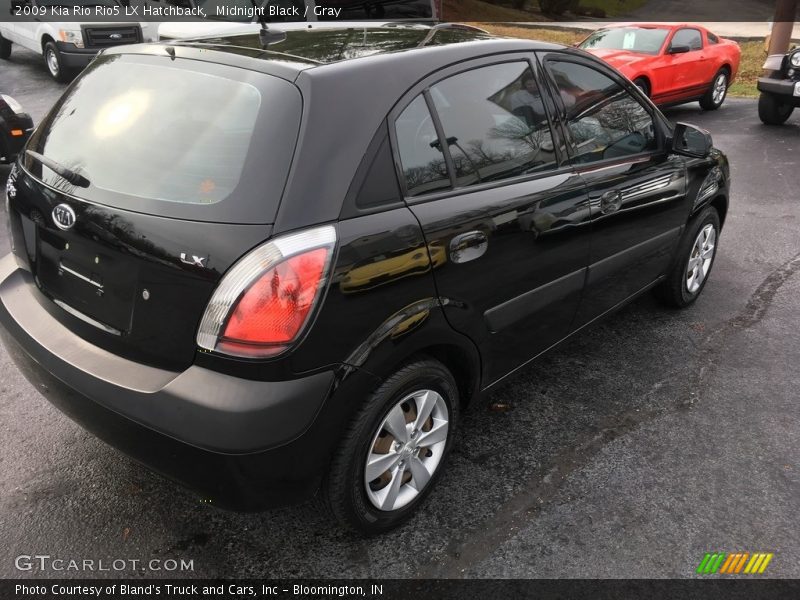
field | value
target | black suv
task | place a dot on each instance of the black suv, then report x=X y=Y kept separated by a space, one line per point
x=780 y=90
x=268 y=271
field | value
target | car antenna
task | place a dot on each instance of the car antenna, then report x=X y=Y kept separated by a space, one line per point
x=265 y=35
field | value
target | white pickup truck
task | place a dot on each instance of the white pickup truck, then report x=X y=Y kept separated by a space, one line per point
x=67 y=47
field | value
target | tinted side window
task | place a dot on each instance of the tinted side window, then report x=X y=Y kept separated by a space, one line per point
x=603 y=119
x=423 y=163
x=495 y=123
x=712 y=39
x=380 y=186
x=688 y=37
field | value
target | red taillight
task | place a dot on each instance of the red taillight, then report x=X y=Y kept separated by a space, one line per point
x=275 y=307
x=262 y=304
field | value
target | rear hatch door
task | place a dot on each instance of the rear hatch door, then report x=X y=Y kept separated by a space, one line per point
x=184 y=167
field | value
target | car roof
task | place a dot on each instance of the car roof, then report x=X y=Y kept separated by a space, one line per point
x=335 y=44
x=294 y=51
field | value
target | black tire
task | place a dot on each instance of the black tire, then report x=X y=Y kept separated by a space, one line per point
x=54 y=63
x=5 y=48
x=642 y=84
x=344 y=488
x=674 y=290
x=710 y=101
x=773 y=110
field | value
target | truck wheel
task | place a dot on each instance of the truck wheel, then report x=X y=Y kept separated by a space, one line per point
x=52 y=60
x=5 y=48
x=772 y=110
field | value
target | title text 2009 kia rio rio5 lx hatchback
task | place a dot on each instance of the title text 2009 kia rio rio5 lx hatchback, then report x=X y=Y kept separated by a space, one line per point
x=270 y=271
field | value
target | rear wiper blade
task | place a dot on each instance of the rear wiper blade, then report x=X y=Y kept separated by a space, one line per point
x=68 y=174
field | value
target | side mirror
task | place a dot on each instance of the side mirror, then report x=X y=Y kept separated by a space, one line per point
x=679 y=49
x=689 y=140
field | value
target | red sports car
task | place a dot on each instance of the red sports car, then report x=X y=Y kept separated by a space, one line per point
x=672 y=64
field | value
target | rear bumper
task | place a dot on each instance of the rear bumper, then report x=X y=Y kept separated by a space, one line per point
x=233 y=440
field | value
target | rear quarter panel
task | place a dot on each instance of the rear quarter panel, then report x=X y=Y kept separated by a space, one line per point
x=729 y=53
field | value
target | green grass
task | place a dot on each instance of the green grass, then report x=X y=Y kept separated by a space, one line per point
x=753 y=56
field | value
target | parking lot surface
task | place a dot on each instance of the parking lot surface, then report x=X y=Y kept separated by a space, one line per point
x=629 y=451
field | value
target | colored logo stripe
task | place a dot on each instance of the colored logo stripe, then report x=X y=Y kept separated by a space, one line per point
x=711 y=563
x=758 y=563
x=732 y=564
x=735 y=563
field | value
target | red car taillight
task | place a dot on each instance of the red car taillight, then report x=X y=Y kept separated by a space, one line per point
x=263 y=303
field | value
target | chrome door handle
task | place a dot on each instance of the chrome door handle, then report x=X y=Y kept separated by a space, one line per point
x=468 y=246
x=610 y=202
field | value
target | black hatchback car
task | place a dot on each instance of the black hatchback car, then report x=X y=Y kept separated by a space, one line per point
x=270 y=271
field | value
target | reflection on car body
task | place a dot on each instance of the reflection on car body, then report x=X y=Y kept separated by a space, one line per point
x=382 y=269
x=670 y=63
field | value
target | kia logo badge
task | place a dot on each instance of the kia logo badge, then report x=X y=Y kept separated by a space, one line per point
x=116 y=36
x=63 y=216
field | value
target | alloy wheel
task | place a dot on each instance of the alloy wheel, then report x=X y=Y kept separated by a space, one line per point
x=720 y=88
x=700 y=258
x=406 y=450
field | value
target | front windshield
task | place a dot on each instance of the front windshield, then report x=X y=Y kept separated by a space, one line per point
x=633 y=39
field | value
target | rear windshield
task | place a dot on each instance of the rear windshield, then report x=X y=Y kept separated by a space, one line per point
x=634 y=39
x=175 y=138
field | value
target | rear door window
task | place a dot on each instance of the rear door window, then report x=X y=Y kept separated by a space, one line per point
x=177 y=139
x=495 y=123
x=421 y=156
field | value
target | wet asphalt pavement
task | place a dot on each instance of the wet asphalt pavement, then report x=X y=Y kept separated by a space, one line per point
x=627 y=452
